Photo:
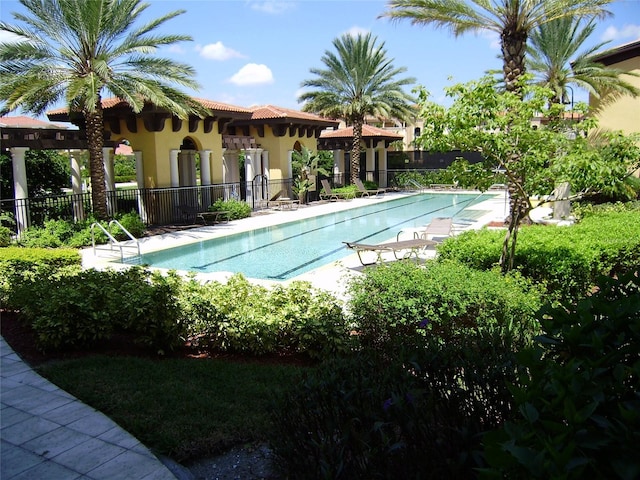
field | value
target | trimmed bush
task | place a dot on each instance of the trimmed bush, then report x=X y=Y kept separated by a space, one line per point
x=565 y=260
x=392 y=303
x=244 y=318
x=236 y=208
x=578 y=398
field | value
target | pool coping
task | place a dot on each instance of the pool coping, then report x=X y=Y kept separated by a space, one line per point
x=329 y=277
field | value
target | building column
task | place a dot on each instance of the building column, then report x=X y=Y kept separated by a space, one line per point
x=140 y=181
x=205 y=167
x=370 y=163
x=109 y=179
x=384 y=179
x=20 y=189
x=252 y=166
x=76 y=187
x=173 y=168
x=338 y=166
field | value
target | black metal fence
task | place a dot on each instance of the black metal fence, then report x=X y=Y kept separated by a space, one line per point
x=167 y=206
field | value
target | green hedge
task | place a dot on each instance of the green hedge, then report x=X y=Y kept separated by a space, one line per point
x=566 y=260
x=236 y=208
x=400 y=301
x=241 y=317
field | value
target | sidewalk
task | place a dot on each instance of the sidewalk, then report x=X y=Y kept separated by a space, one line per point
x=47 y=434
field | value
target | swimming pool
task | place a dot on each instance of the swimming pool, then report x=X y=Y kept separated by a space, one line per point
x=284 y=251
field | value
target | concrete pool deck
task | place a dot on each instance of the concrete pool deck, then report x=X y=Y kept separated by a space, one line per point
x=329 y=277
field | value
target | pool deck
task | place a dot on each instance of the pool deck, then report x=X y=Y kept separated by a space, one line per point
x=330 y=277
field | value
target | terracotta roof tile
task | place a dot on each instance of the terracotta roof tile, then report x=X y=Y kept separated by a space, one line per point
x=368 y=131
x=269 y=112
x=20 y=121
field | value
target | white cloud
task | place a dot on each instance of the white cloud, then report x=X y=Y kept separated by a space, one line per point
x=492 y=37
x=177 y=49
x=273 y=7
x=355 y=31
x=252 y=74
x=217 y=51
x=631 y=32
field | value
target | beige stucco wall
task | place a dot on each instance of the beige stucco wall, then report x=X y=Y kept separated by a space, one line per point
x=624 y=113
x=156 y=147
x=279 y=149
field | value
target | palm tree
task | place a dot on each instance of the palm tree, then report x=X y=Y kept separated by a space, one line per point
x=75 y=50
x=513 y=20
x=358 y=80
x=556 y=61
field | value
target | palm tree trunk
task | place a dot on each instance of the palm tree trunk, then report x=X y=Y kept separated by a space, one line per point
x=355 y=150
x=514 y=44
x=95 y=141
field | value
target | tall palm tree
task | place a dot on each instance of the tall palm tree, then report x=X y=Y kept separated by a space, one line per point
x=358 y=80
x=556 y=61
x=513 y=20
x=75 y=50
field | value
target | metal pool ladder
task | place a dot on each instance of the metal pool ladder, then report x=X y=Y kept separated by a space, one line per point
x=112 y=240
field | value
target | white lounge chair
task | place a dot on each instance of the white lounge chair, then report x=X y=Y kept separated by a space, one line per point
x=329 y=194
x=364 y=192
x=408 y=248
x=437 y=230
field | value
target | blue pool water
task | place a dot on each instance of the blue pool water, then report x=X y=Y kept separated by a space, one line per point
x=285 y=251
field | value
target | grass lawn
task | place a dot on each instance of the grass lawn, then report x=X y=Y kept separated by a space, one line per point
x=182 y=408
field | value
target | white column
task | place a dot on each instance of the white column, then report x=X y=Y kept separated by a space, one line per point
x=107 y=160
x=109 y=180
x=140 y=181
x=384 y=179
x=205 y=167
x=76 y=187
x=370 y=162
x=252 y=167
x=265 y=164
x=21 y=192
x=173 y=168
x=338 y=162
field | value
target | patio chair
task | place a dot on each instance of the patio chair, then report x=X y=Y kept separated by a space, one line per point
x=364 y=192
x=408 y=249
x=330 y=194
x=437 y=230
x=266 y=203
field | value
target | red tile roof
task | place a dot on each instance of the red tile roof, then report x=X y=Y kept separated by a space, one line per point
x=20 y=121
x=269 y=112
x=368 y=131
x=108 y=103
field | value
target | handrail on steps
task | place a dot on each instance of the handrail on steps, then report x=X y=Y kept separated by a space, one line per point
x=112 y=240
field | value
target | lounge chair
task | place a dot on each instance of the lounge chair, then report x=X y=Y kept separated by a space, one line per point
x=330 y=194
x=408 y=248
x=367 y=193
x=437 y=230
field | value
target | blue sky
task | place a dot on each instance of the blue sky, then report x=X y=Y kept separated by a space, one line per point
x=256 y=52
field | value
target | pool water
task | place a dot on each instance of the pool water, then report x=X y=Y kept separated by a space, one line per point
x=287 y=250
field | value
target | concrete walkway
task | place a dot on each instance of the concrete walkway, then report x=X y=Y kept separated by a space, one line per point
x=47 y=434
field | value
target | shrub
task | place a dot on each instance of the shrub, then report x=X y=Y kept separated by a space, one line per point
x=241 y=317
x=132 y=222
x=579 y=396
x=392 y=302
x=237 y=209
x=419 y=414
x=5 y=236
x=81 y=308
x=565 y=260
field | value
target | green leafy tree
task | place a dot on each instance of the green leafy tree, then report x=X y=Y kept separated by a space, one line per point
x=75 y=50
x=497 y=124
x=359 y=80
x=513 y=20
x=556 y=60
x=48 y=173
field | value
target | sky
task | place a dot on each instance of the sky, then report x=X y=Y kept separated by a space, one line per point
x=258 y=52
